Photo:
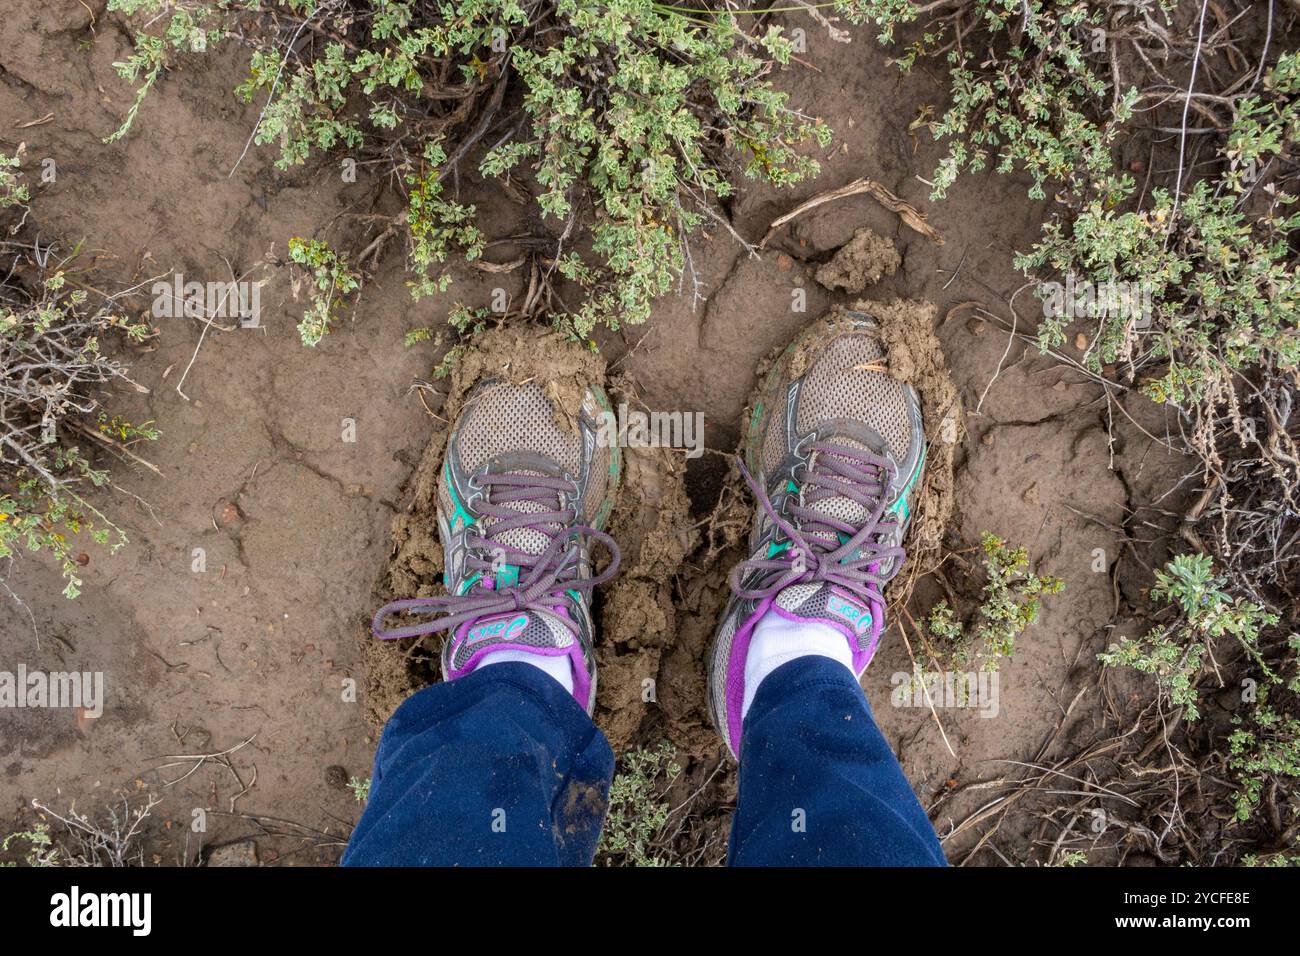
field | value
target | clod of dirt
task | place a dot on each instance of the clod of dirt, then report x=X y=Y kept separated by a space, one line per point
x=860 y=263
x=228 y=514
x=336 y=777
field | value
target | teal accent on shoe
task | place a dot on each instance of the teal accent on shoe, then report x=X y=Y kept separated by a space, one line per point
x=856 y=616
x=776 y=547
x=900 y=506
x=466 y=519
x=507 y=576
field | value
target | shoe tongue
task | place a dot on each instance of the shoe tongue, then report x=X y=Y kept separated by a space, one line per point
x=839 y=508
x=527 y=540
x=826 y=604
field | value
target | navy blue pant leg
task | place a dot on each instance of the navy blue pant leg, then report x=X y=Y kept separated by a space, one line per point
x=498 y=768
x=819 y=784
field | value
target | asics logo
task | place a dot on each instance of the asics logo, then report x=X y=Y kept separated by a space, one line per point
x=503 y=629
x=857 y=618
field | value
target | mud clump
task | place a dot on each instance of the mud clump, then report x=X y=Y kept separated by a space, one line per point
x=860 y=263
x=913 y=355
x=638 y=617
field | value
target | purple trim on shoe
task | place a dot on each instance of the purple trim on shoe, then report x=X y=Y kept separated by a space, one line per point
x=484 y=651
x=581 y=677
x=577 y=660
x=736 y=673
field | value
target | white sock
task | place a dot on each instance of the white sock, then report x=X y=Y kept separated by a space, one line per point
x=778 y=641
x=558 y=666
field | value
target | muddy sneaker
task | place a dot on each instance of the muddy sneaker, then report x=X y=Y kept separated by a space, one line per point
x=834 y=449
x=521 y=499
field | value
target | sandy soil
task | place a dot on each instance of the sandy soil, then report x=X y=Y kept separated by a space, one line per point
x=261 y=651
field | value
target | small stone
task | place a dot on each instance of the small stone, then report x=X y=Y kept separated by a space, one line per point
x=975 y=326
x=228 y=514
x=234 y=854
x=1081 y=342
x=986 y=438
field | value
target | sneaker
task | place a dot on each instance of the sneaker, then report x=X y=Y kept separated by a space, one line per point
x=521 y=499
x=833 y=452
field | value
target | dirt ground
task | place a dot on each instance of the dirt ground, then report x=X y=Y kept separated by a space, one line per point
x=251 y=663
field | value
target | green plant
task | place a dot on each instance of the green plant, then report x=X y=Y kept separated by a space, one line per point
x=189 y=27
x=360 y=788
x=1281 y=859
x=1011 y=600
x=1071 y=858
x=330 y=278
x=1264 y=746
x=1174 y=653
x=1042 y=87
x=1031 y=107
x=12 y=192
x=633 y=117
x=637 y=809
x=41 y=850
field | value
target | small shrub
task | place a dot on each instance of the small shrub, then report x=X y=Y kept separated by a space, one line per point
x=1174 y=653
x=54 y=366
x=330 y=280
x=41 y=851
x=1264 y=746
x=12 y=192
x=1011 y=600
x=637 y=809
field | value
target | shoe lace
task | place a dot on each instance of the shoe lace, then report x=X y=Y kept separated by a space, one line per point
x=544 y=577
x=823 y=548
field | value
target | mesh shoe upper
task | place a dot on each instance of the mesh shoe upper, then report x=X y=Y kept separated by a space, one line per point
x=834 y=448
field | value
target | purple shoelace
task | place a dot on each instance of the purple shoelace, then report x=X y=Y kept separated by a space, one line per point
x=816 y=553
x=543 y=578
